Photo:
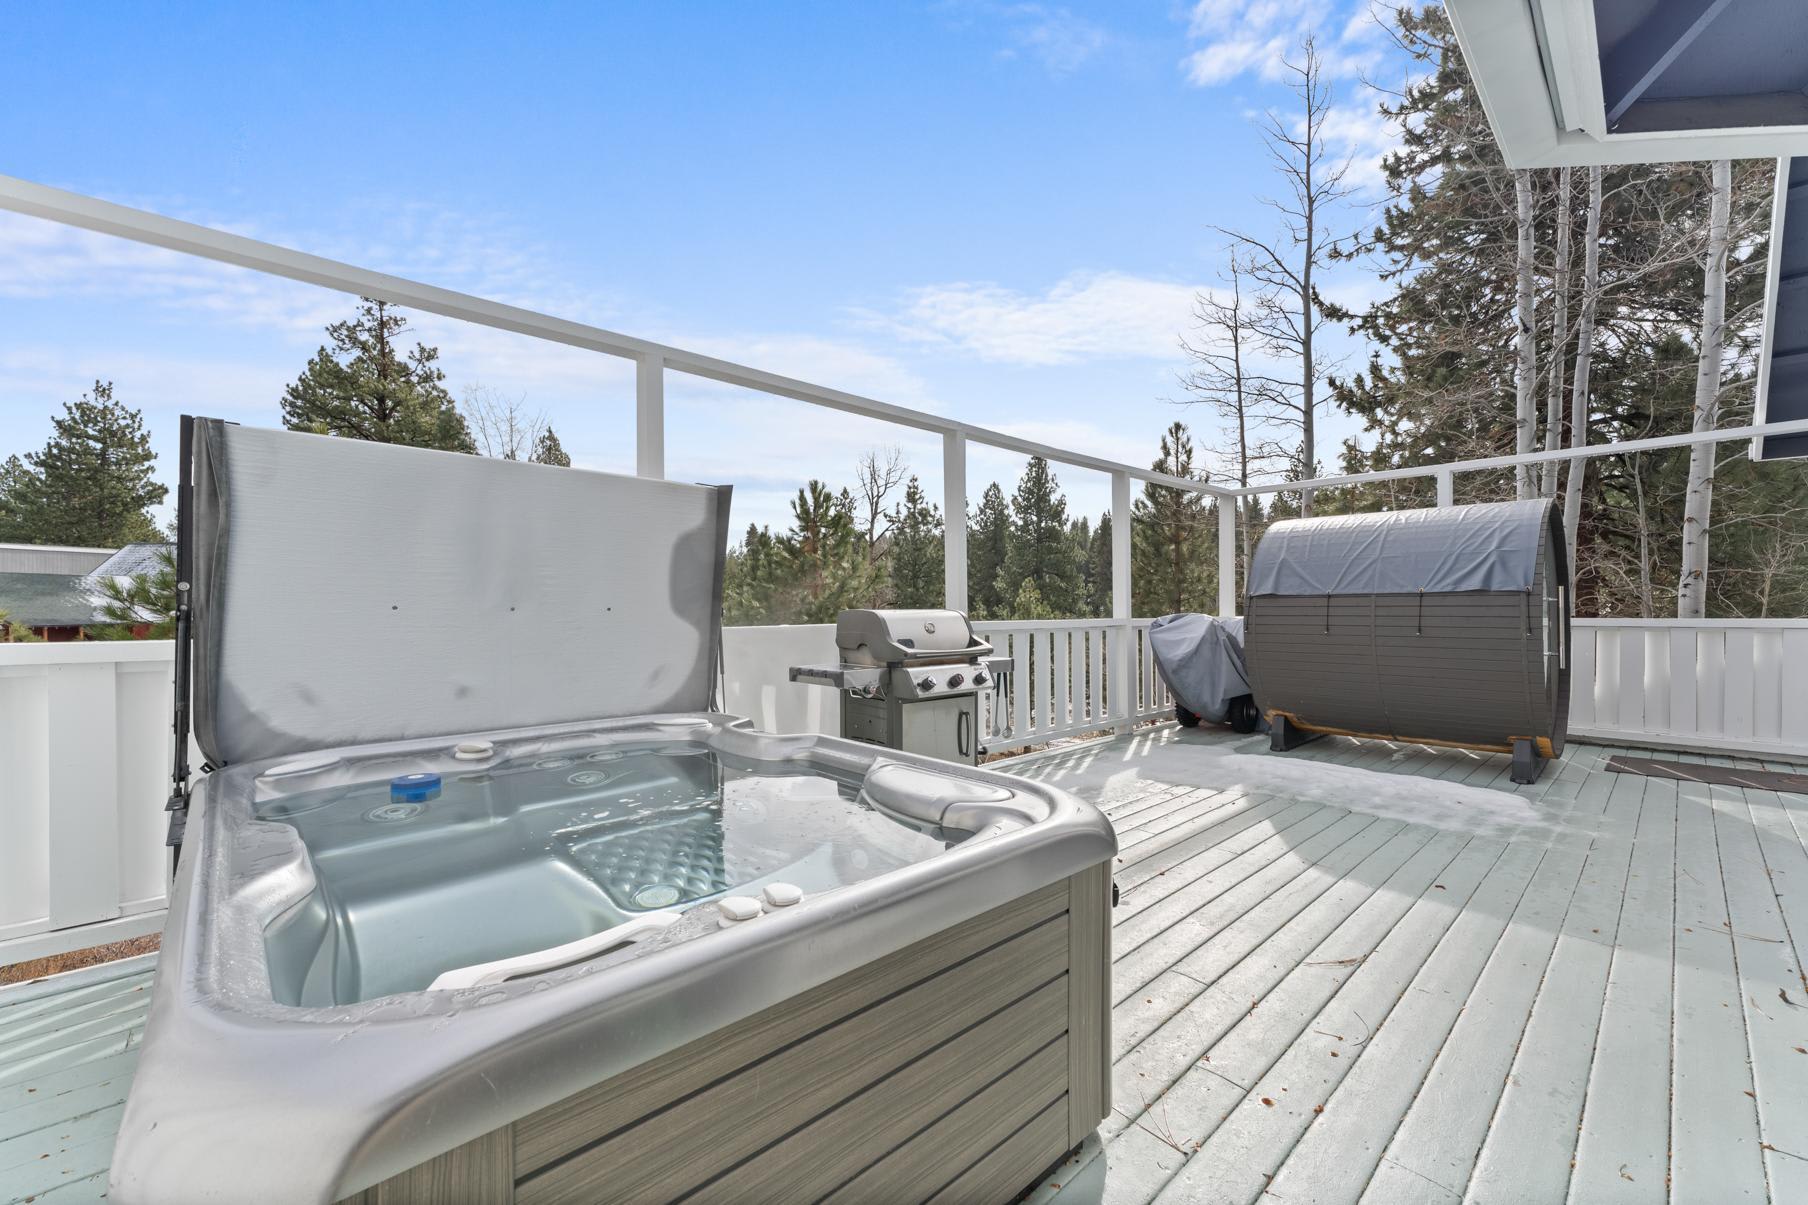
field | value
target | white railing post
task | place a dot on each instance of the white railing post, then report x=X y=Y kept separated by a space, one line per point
x=1446 y=488
x=649 y=415
x=954 y=521
x=1227 y=555
x=1123 y=636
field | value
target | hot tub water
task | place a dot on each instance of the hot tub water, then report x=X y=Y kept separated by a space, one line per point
x=540 y=850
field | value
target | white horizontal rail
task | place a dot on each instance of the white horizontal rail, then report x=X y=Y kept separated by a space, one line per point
x=188 y=238
x=1442 y=471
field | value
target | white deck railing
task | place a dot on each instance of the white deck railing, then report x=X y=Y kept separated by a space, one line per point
x=84 y=773
x=85 y=734
x=1733 y=685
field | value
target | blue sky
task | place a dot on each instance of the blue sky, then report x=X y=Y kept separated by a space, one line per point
x=997 y=211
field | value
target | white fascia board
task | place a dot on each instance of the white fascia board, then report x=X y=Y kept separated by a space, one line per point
x=1501 y=45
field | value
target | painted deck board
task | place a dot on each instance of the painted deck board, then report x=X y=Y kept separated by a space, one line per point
x=1583 y=1009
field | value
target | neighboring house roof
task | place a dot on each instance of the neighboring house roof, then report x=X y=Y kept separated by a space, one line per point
x=131 y=561
x=50 y=558
x=49 y=600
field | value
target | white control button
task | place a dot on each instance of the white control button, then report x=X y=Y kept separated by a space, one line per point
x=782 y=895
x=473 y=750
x=737 y=908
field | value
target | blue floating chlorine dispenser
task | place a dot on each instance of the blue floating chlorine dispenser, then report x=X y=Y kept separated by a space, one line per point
x=414 y=788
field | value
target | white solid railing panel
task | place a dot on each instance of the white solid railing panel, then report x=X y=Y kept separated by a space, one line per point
x=756 y=677
x=84 y=772
x=1716 y=685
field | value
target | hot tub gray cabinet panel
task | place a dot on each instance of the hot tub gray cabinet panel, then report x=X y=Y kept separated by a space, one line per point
x=893 y=1082
x=1480 y=668
x=833 y=1043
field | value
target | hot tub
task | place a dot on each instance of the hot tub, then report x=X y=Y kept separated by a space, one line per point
x=456 y=915
x=932 y=1015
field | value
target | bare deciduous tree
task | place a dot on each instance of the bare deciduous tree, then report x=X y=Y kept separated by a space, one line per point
x=1225 y=376
x=880 y=473
x=1553 y=403
x=505 y=428
x=1525 y=376
x=1691 y=584
x=1287 y=313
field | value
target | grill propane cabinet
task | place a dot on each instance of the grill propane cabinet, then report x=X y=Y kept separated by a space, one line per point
x=1445 y=626
x=909 y=680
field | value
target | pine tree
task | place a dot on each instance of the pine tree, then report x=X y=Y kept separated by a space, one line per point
x=827 y=555
x=366 y=388
x=1098 y=569
x=548 y=450
x=149 y=598
x=988 y=544
x=915 y=555
x=1040 y=550
x=1171 y=540
x=92 y=483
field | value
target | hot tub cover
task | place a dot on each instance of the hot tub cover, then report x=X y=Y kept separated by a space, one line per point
x=1201 y=659
x=349 y=592
x=1485 y=546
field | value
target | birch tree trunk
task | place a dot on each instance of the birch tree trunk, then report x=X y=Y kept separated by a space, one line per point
x=1698 y=503
x=1585 y=348
x=1553 y=402
x=1525 y=381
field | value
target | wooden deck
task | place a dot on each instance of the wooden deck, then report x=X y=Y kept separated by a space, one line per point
x=1356 y=972
x=1332 y=986
x=67 y=1050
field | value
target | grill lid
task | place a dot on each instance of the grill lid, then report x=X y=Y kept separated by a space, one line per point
x=874 y=637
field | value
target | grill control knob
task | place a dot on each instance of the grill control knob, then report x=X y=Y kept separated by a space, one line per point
x=926 y=684
x=955 y=680
x=979 y=679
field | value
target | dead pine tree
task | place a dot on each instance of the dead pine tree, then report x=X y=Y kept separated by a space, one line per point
x=1288 y=314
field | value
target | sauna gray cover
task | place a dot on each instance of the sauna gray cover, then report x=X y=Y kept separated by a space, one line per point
x=1486 y=546
x=1201 y=659
x=349 y=592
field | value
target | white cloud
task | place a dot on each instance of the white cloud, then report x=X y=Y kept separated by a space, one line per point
x=1096 y=315
x=1057 y=38
x=1253 y=37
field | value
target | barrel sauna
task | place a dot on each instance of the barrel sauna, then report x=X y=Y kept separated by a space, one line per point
x=1447 y=626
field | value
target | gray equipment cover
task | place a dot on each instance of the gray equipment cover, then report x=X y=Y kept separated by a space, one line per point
x=1201 y=659
x=1486 y=546
x=349 y=592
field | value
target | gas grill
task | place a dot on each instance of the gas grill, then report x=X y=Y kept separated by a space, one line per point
x=910 y=680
